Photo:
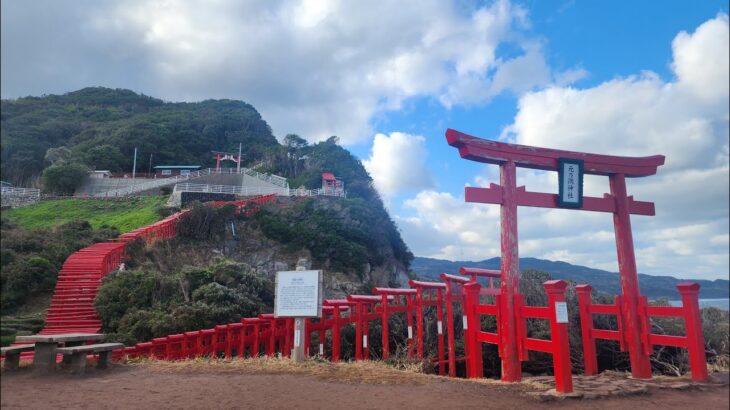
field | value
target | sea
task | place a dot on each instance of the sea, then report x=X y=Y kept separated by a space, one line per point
x=718 y=303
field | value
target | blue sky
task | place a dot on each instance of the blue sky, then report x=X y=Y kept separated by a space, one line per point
x=620 y=77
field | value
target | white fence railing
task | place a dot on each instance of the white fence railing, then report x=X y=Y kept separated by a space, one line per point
x=272 y=179
x=230 y=189
x=147 y=184
x=249 y=191
x=15 y=197
x=154 y=183
x=22 y=192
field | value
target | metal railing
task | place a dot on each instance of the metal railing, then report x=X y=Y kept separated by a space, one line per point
x=31 y=192
x=16 y=197
x=248 y=191
x=272 y=179
x=230 y=189
x=157 y=183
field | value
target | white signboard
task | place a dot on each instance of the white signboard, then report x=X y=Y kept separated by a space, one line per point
x=298 y=294
x=561 y=312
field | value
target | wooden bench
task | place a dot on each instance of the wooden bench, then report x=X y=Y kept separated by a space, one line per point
x=78 y=355
x=12 y=355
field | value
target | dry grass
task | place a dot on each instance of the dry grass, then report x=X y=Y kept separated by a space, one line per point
x=364 y=372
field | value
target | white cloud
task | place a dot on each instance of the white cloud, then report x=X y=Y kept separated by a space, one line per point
x=397 y=164
x=314 y=68
x=700 y=62
x=446 y=227
x=685 y=119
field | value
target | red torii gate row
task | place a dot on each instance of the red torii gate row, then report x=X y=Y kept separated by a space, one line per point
x=276 y=334
x=631 y=310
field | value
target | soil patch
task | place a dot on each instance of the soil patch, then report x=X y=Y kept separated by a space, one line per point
x=278 y=384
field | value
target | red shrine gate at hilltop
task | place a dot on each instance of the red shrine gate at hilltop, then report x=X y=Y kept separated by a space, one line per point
x=631 y=309
x=226 y=156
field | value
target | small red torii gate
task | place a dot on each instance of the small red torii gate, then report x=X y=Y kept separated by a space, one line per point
x=226 y=156
x=508 y=195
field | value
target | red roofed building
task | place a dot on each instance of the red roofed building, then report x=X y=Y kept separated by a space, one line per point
x=332 y=185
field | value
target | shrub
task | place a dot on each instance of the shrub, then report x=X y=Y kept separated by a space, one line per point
x=138 y=305
x=63 y=179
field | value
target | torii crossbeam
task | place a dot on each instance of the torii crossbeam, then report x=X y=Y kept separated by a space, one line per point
x=508 y=195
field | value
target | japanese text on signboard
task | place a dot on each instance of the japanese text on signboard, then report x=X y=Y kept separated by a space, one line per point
x=298 y=294
x=570 y=173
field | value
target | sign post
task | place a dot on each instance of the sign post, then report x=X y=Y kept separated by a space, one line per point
x=298 y=296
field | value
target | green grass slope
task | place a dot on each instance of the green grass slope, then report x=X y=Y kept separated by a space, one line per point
x=125 y=215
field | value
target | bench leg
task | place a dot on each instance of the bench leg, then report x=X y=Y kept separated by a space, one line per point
x=12 y=361
x=104 y=357
x=44 y=359
x=66 y=358
x=78 y=363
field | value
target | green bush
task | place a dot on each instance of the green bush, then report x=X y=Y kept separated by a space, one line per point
x=63 y=179
x=340 y=238
x=138 y=305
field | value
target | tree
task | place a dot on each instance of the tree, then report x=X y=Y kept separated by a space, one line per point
x=294 y=145
x=57 y=156
x=64 y=179
x=106 y=157
x=295 y=142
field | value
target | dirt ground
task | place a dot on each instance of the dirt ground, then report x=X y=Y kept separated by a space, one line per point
x=350 y=387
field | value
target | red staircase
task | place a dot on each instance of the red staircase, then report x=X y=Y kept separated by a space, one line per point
x=72 y=306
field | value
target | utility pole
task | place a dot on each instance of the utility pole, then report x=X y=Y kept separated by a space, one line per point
x=134 y=166
x=149 y=170
x=238 y=168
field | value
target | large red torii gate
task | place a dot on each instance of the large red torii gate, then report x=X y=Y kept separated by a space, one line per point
x=508 y=195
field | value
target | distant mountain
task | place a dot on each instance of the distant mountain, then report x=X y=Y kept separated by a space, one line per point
x=601 y=280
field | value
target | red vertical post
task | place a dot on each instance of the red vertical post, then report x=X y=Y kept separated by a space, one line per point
x=559 y=335
x=358 y=331
x=322 y=338
x=384 y=320
x=336 y=335
x=409 y=320
x=242 y=343
x=440 y=330
x=366 y=329
x=255 y=347
x=586 y=328
x=229 y=342
x=465 y=326
x=640 y=364
x=510 y=285
x=474 y=360
x=270 y=350
x=450 y=329
x=693 y=330
x=419 y=320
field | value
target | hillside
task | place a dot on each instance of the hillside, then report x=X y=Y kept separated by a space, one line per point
x=354 y=238
x=221 y=267
x=123 y=215
x=100 y=128
x=603 y=281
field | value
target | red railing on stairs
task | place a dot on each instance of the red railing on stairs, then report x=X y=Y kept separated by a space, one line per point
x=72 y=305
